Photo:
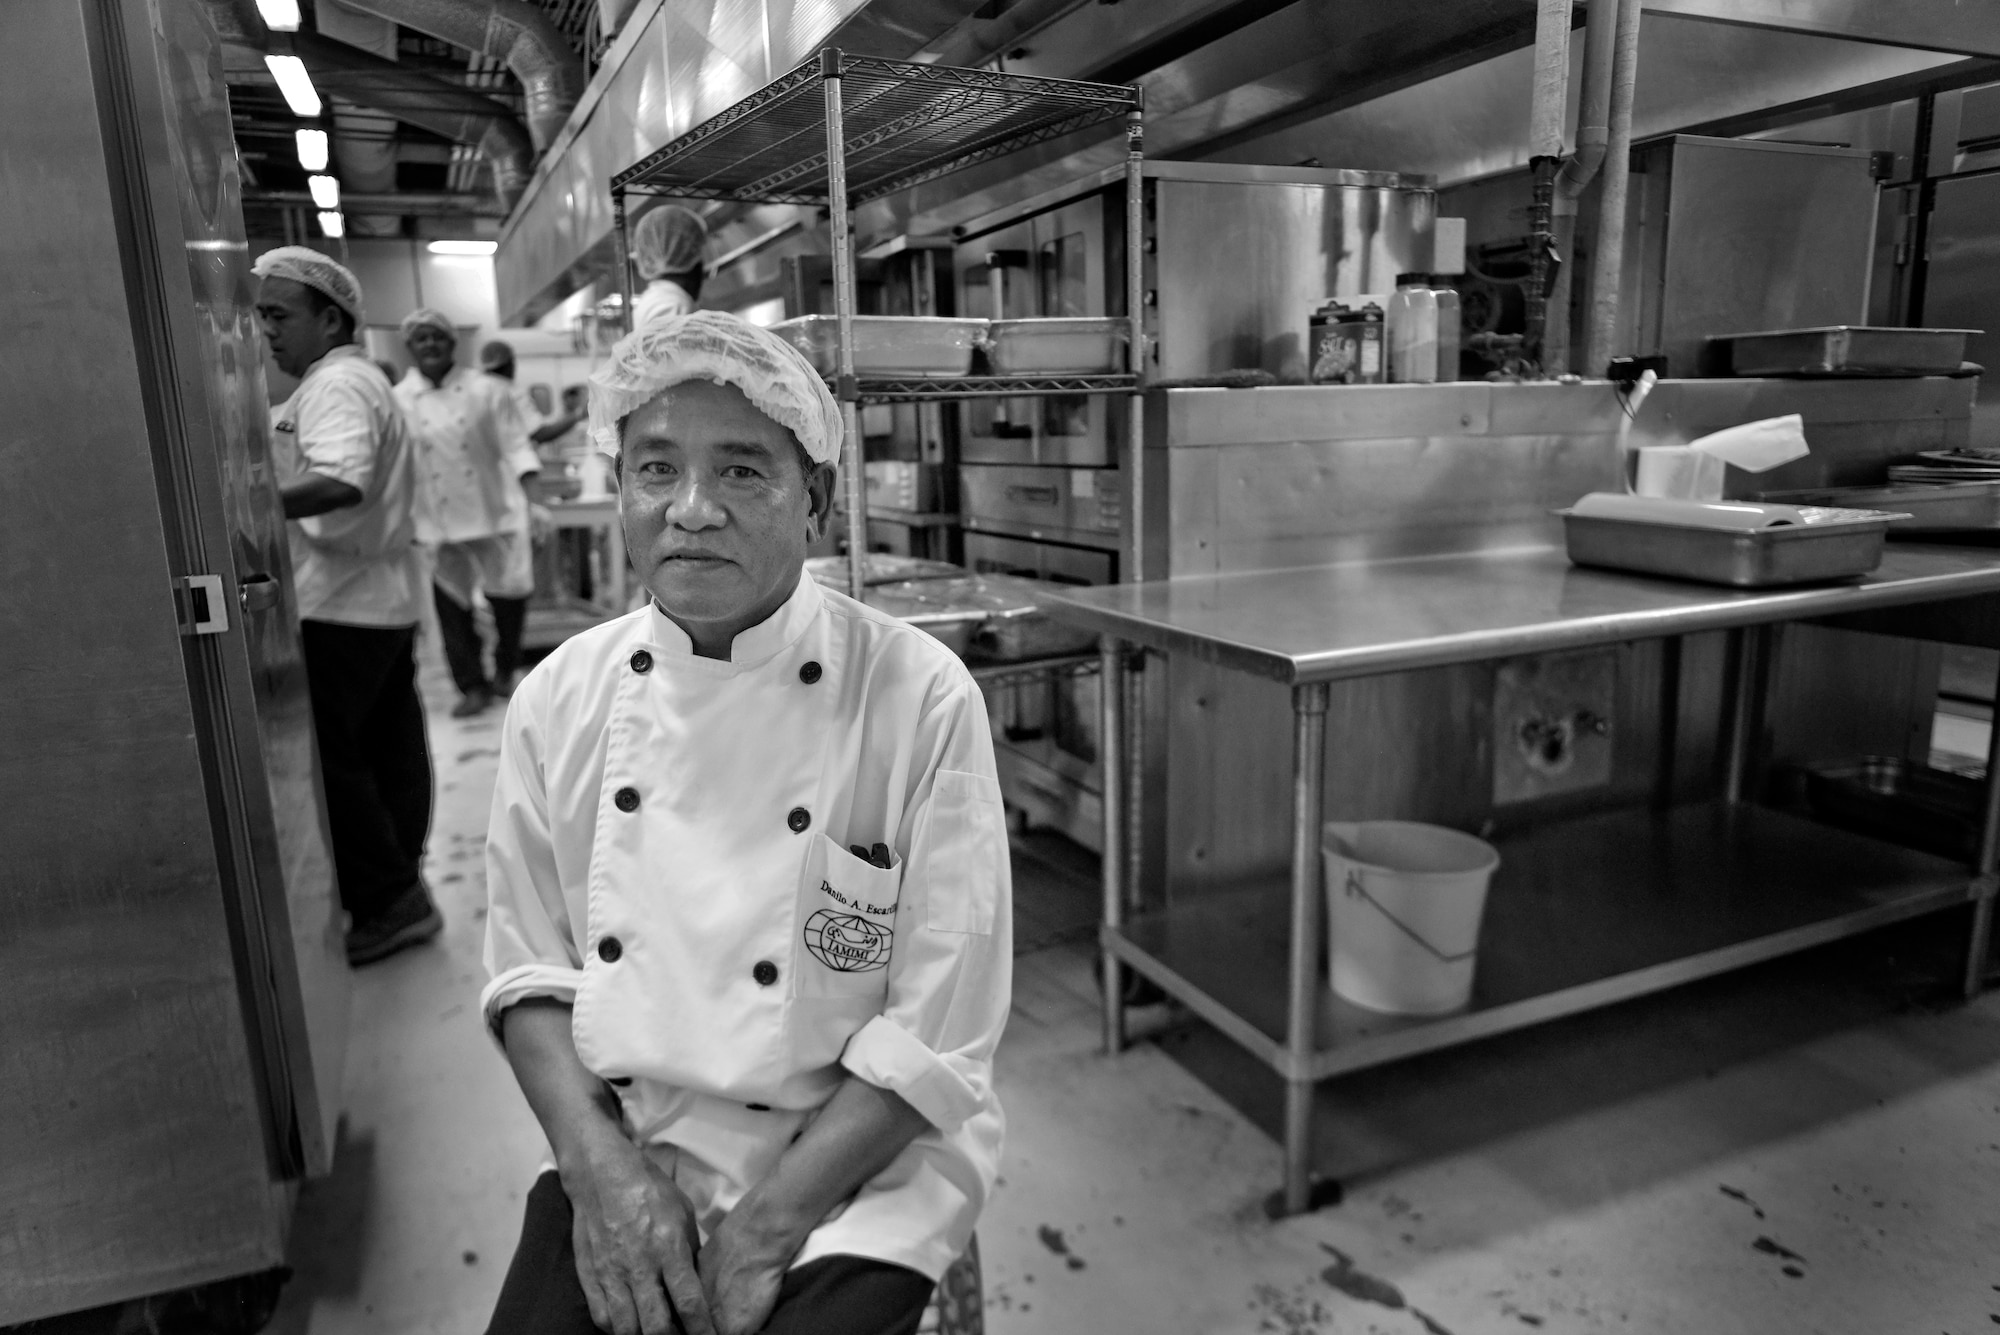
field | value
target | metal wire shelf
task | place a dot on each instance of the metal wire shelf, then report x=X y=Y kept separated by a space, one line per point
x=992 y=386
x=840 y=130
x=903 y=124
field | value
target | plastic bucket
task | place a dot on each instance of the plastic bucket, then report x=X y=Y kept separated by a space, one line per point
x=1404 y=902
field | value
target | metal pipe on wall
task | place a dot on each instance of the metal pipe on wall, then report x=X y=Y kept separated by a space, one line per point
x=1607 y=268
x=1593 y=132
x=1546 y=111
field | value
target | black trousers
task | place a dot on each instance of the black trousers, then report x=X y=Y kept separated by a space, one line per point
x=835 y=1295
x=461 y=638
x=373 y=758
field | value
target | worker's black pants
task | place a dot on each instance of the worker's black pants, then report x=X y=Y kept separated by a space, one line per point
x=835 y=1295
x=461 y=639
x=372 y=756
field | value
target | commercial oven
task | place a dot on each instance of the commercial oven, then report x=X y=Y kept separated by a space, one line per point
x=1238 y=257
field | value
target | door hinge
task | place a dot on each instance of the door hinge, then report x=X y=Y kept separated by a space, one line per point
x=207 y=613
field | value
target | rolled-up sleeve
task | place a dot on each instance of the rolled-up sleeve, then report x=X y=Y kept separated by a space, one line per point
x=338 y=431
x=529 y=947
x=950 y=972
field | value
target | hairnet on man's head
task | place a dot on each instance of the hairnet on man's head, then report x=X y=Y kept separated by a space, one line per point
x=306 y=266
x=725 y=349
x=668 y=240
x=495 y=354
x=427 y=317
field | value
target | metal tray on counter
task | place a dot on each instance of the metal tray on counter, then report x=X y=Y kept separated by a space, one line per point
x=1857 y=350
x=1895 y=799
x=1833 y=545
x=1949 y=507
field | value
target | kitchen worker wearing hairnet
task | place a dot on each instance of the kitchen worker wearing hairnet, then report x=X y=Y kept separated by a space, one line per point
x=750 y=910
x=349 y=489
x=667 y=247
x=473 y=452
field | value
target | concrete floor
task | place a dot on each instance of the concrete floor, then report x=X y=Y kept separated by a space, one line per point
x=1808 y=1146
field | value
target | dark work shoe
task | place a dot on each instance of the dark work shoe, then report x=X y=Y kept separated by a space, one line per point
x=475 y=703
x=410 y=921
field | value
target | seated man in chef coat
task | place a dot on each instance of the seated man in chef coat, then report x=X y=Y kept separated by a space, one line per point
x=750 y=910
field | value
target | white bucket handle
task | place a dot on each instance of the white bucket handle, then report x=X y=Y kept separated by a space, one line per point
x=1357 y=887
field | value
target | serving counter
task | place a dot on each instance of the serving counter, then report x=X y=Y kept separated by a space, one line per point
x=1590 y=906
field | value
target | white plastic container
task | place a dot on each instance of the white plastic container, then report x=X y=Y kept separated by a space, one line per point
x=1404 y=904
x=1450 y=317
x=1412 y=331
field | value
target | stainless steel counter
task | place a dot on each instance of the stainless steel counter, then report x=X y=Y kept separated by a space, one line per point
x=1334 y=622
x=1701 y=886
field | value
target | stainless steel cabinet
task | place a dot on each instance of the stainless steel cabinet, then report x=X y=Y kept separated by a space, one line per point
x=171 y=1050
x=1962 y=287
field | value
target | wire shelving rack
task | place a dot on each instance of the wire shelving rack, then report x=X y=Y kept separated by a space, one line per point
x=841 y=130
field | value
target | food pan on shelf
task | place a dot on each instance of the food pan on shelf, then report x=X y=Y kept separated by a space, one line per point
x=953 y=624
x=919 y=346
x=1743 y=544
x=1009 y=621
x=878 y=568
x=1898 y=800
x=1859 y=350
x=1955 y=507
x=1062 y=346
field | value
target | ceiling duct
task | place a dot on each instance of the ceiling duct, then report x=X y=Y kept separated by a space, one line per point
x=446 y=109
x=512 y=31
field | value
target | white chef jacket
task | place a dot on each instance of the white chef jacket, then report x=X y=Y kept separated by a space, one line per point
x=471 y=452
x=660 y=299
x=668 y=850
x=356 y=566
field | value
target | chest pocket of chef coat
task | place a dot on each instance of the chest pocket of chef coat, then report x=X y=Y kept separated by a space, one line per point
x=847 y=920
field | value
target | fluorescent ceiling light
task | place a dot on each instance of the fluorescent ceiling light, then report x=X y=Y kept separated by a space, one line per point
x=280 y=15
x=333 y=224
x=325 y=191
x=295 y=84
x=312 y=149
x=463 y=247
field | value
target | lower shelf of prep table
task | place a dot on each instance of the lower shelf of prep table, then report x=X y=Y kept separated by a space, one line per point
x=1583 y=913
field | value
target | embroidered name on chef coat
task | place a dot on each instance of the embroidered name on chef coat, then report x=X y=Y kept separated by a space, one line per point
x=857 y=942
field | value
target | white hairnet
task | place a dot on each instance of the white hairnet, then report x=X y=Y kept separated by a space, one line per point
x=303 y=264
x=710 y=345
x=669 y=240
x=426 y=315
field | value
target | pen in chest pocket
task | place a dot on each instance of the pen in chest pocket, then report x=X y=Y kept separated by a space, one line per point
x=877 y=856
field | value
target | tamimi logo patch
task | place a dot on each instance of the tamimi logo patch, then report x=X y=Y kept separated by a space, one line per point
x=848 y=942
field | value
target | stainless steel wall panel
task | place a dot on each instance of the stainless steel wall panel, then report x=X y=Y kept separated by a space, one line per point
x=1313 y=503
x=1240 y=267
x=1205 y=418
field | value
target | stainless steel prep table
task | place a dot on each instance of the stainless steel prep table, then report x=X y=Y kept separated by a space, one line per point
x=1714 y=885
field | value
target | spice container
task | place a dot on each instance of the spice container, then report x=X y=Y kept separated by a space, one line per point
x=1345 y=345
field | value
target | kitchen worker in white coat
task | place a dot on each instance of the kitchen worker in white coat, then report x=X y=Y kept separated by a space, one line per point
x=668 y=245
x=750 y=912
x=473 y=456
